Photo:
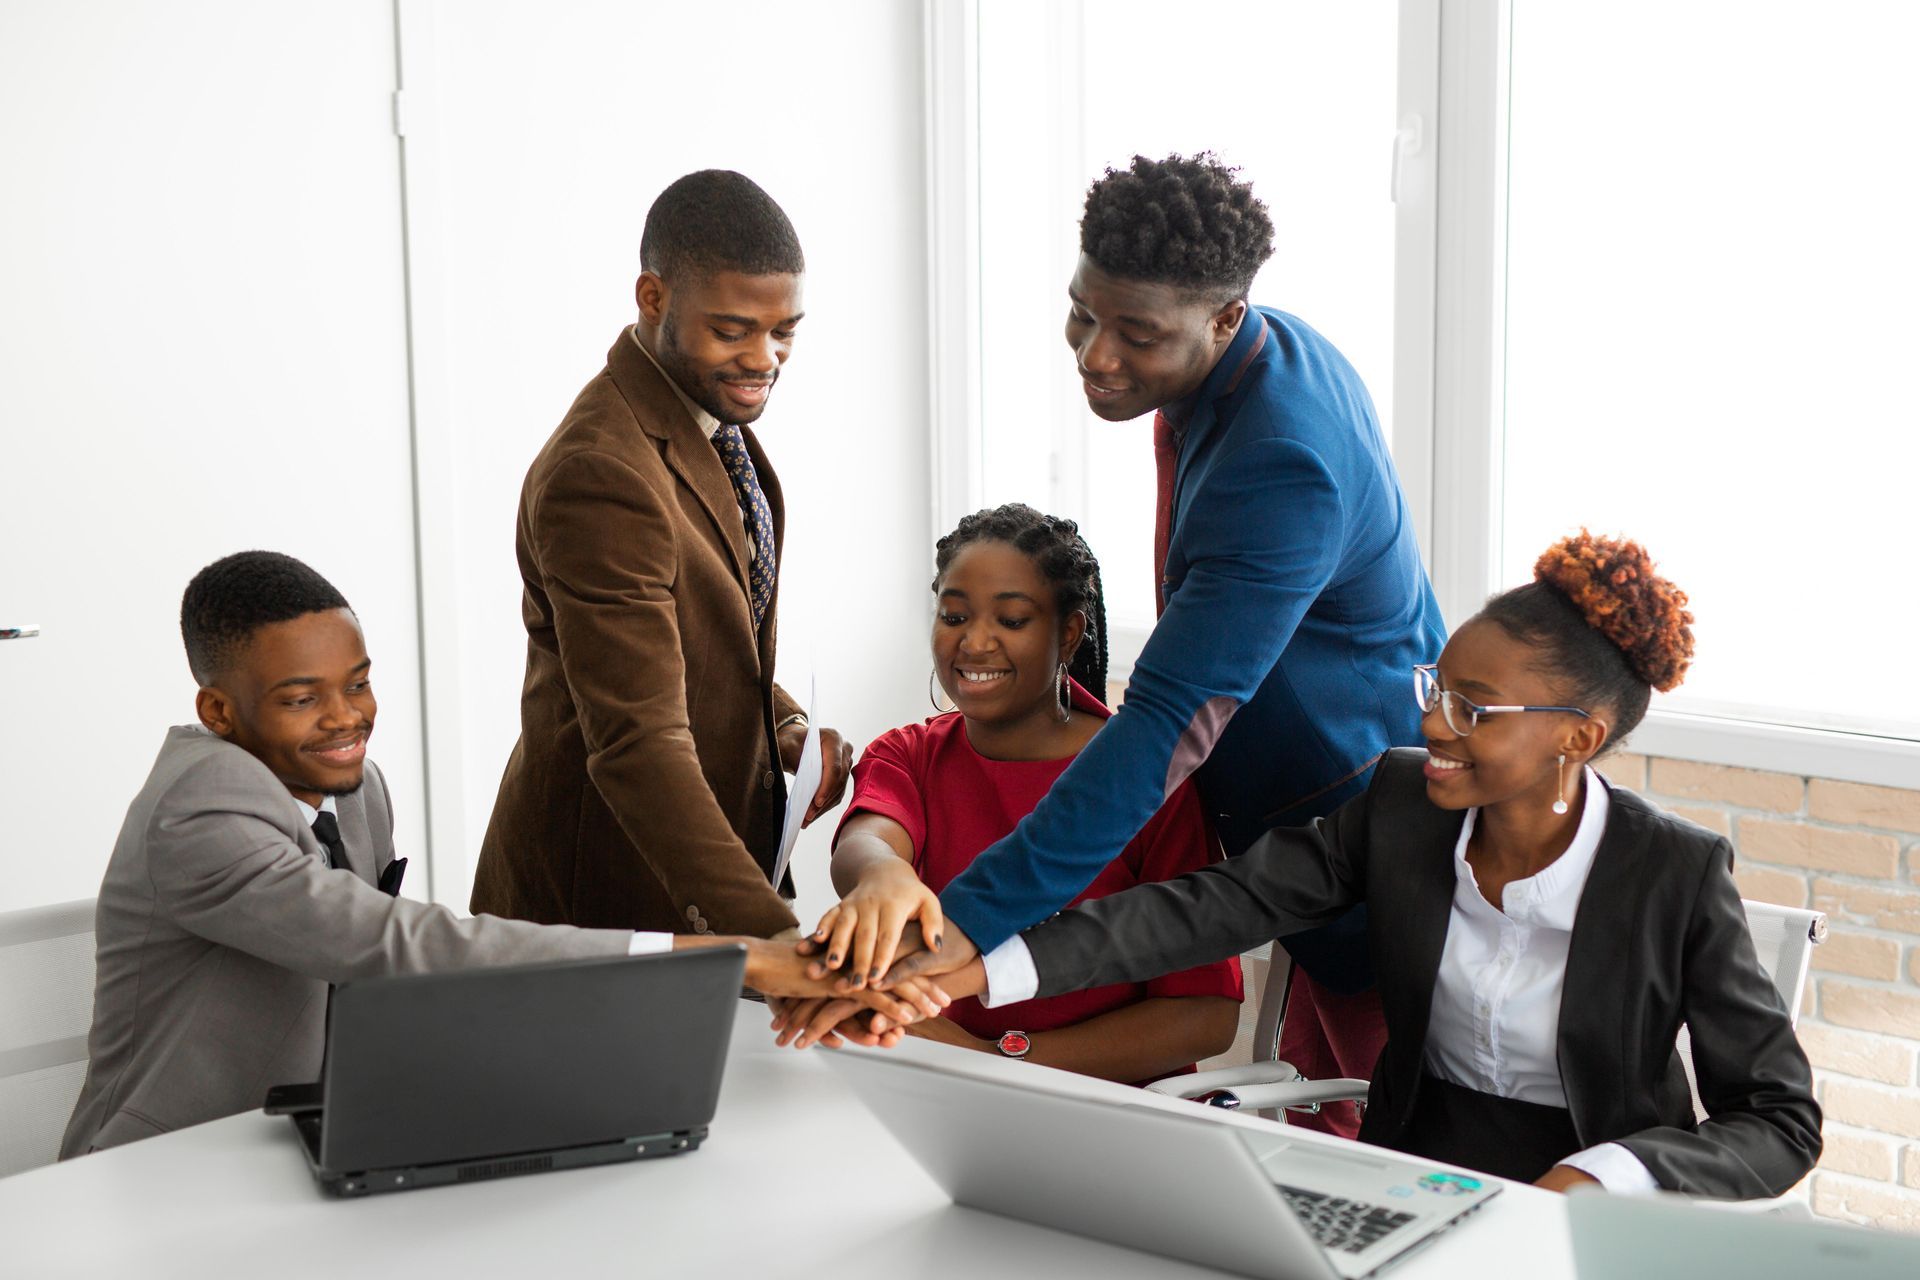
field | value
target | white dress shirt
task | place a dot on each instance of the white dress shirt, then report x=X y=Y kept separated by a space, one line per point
x=327 y=805
x=1495 y=1021
x=641 y=944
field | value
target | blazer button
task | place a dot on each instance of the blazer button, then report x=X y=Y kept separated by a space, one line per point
x=766 y=780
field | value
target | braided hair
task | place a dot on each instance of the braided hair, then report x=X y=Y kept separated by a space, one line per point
x=1604 y=620
x=1063 y=559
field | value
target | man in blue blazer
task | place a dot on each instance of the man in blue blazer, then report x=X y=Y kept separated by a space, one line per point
x=1294 y=604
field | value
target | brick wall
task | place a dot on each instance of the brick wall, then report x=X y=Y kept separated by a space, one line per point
x=1853 y=852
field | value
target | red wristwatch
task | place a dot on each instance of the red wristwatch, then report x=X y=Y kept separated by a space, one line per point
x=1016 y=1044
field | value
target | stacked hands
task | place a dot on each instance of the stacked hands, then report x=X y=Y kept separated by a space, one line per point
x=883 y=963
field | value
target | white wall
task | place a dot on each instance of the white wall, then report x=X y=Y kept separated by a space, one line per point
x=539 y=138
x=202 y=349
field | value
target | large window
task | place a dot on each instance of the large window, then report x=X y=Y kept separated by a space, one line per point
x=1711 y=270
x=1650 y=271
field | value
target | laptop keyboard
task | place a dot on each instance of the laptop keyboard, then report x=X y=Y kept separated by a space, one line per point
x=1337 y=1223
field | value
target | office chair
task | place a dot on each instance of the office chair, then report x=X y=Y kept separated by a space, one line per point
x=1784 y=937
x=46 y=1006
x=1267 y=1084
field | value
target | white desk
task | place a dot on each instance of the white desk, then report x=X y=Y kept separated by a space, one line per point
x=797 y=1179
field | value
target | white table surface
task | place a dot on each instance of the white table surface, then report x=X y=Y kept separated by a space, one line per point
x=796 y=1179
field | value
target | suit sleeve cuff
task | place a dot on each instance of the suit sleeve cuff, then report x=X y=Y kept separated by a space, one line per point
x=1617 y=1168
x=648 y=944
x=1011 y=976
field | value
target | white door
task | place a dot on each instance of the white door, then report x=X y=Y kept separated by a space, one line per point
x=202 y=350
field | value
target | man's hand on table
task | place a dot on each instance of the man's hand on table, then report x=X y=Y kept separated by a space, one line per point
x=836 y=762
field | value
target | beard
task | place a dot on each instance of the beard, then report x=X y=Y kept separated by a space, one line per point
x=702 y=389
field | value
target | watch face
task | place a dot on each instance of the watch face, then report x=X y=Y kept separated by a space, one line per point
x=1015 y=1044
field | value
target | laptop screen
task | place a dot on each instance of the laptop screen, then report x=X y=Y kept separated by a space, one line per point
x=429 y=1068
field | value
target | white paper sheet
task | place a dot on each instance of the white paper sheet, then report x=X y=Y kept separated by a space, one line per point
x=803 y=784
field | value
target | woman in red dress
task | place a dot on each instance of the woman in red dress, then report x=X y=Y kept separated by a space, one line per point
x=1019 y=647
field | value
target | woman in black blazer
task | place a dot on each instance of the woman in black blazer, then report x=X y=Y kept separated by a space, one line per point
x=1538 y=937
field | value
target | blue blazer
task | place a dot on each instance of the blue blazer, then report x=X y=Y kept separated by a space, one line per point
x=1281 y=668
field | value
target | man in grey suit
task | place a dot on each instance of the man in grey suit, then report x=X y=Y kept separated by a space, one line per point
x=257 y=866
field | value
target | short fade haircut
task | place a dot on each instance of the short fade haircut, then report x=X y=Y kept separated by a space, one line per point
x=234 y=597
x=718 y=220
x=1183 y=221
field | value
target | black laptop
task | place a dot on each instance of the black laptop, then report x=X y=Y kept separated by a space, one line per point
x=485 y=1073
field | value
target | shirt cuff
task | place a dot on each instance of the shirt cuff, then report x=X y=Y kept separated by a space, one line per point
x=1011 y=976
x=649 y=944
x=1618 y=1169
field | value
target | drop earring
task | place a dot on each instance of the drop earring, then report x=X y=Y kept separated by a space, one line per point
x=1560 y=803
x=934 y=697
x=1066 y=696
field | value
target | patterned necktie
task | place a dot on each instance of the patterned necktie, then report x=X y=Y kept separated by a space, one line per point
x=327 y=828
x=1166 y=459
x=753 y=505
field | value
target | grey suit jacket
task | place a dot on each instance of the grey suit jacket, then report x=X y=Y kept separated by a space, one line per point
x=220 y=926
x=1659 y=939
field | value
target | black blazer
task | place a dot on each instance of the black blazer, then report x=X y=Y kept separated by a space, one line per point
x=1659 y=939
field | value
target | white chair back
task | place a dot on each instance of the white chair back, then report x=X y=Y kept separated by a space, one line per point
x=46 y=1006
x=1785 y=938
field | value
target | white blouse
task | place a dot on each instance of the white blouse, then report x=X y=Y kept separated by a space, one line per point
x=1495 y=1021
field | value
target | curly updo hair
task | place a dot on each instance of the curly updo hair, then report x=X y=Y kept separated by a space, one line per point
x=1063 y=559
x=1184 y=221
x=1604 y=621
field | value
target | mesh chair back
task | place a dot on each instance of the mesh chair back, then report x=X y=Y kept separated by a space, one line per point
x=46 y=1006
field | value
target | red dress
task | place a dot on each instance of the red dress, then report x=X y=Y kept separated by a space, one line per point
x=954 y=802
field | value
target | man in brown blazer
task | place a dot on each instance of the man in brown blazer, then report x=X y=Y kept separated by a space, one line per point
x=646 y=791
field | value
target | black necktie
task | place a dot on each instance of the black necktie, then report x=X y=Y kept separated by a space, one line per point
x=327 y=828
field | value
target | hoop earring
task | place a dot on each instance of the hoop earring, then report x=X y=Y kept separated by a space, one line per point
x=1066 y=696
x=1560 y=804
x=933 y=696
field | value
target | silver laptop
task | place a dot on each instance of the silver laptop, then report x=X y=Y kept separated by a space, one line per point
x=1633 y=1237
x=1098 y=1160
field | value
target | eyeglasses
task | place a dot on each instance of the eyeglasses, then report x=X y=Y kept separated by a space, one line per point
x=1461 y=715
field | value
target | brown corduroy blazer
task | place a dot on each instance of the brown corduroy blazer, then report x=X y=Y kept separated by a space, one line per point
x=645 y=791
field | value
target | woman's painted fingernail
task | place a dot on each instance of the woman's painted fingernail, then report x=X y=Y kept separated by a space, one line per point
x=936 y=942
